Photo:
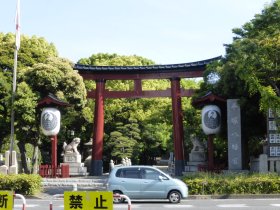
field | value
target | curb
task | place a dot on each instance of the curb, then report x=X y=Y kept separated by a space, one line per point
x=237 y=196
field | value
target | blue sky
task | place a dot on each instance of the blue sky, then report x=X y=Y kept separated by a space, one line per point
x=165 y=31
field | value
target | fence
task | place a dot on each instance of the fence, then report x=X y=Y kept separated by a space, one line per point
x=47 y=171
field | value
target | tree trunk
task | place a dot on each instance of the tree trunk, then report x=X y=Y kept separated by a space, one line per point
x=21 y=146
x=34 y=162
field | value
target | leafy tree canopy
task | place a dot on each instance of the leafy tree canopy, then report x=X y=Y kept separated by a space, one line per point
x=254 y=55
x=250 y=71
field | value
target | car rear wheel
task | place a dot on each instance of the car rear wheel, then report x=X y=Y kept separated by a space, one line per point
x=117 y=199
x=174 y=196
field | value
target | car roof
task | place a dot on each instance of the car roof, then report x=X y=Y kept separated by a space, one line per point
x=135 y=166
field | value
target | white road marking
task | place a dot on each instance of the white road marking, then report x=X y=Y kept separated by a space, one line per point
x=124 y=206
x=232 y=205
x=28 y=205
x=276 y=204
x=174 y=206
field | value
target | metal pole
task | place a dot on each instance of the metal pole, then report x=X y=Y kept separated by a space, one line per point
x=17 y=46
x=12 y=106
x=54 y=197
x=23 y=200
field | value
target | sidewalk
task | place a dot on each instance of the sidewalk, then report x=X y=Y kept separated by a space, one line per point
x=52 y=186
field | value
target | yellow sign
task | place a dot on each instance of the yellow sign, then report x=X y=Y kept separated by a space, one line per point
x=6 y=200
x=88 y=200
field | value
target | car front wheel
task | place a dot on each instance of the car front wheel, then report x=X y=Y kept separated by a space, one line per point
x=174 y=196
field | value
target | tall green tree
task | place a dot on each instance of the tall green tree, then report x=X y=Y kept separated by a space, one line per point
x=33 y=50
x=40 y=72
x=250 y=72
x=255 y=54
x=55 y=76
x=5 y=90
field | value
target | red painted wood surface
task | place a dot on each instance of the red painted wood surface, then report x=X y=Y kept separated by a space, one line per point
x=177 y=118
x=97 y=143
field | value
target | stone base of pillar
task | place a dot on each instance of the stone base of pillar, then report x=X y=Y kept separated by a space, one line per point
x=96 y=168
x=179 y=167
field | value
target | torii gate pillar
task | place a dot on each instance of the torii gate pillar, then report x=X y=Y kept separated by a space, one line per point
x=98 y=130
x=178 y=133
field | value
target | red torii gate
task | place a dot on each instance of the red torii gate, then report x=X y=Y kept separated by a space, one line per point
x=173 y=72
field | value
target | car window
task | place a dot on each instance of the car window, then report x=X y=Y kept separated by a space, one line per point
x=148 y=173
x=132 y=173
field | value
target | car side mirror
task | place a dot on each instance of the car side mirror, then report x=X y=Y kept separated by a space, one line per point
x=160 y=178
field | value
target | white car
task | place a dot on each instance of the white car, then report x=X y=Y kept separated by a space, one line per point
x=145 y=182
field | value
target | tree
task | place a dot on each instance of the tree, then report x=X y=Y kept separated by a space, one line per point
x=40 y=72
x=55 y=76
x=5 y=90
x=125 y=141
x=32 y=50
x=250 y=71
x=255 y=54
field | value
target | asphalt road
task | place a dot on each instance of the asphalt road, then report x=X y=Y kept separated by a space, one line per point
x=209 y=204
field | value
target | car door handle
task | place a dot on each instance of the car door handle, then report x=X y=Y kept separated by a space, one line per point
x=122 y=181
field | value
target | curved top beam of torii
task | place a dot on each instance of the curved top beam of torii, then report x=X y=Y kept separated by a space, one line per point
x=139 y=73
x=182 y=70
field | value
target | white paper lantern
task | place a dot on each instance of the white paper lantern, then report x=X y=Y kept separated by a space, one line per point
x=211 y=119
x=50 y=121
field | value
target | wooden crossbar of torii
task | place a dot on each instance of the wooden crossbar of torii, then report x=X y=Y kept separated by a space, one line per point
x=173 y=72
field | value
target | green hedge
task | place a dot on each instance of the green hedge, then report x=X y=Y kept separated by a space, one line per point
x=25 y=184
x=221 y=184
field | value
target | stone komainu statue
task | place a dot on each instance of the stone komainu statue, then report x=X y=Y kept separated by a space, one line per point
x=72 y=147
x=197 y=145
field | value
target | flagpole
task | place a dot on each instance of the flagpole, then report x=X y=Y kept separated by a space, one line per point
x=17 y=45
x=13 y=100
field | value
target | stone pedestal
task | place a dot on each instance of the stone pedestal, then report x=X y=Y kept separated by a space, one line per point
x=7 y=168
x=197 y=156
x=196 y=159
x=76 y=167
x=4 y=169
x=72 y=158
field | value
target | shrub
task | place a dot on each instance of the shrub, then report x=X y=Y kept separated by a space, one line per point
x=219 y=184
x=25 y=184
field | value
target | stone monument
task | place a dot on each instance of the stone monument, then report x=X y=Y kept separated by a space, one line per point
x=234 y=135
x=72 y=157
